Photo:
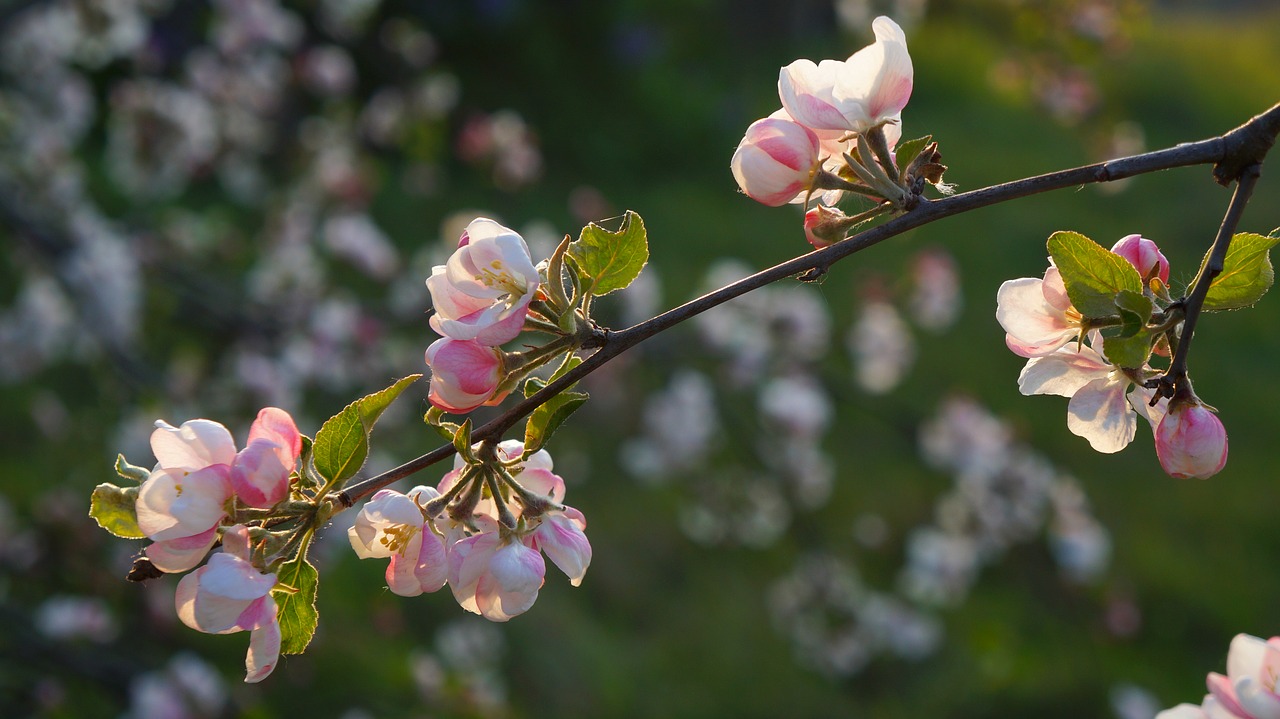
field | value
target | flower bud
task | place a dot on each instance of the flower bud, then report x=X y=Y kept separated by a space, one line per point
x=1145 y=256
x=1191 y=442
x=464 y=374
x=824 y=226
x=773 y=162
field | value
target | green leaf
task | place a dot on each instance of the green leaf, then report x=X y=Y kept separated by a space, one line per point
x=1246 y=273
x=1093 y=274
x=116 y=510
x=908 y=151
x=547 y=418
x=1127 y=351
x=131 y=471
x=1135 y=310
x=342 y=444
x=296 y=606
x=462 y=442
x=611 y=260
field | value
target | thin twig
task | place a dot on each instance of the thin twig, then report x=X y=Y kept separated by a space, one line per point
x=1174 y=380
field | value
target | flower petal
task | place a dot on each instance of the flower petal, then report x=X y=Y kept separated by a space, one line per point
x=1100 y=413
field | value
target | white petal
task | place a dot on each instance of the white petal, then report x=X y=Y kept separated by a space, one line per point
x=198 y=443
x=1023 y=312
x=1100 y=413
x=1062 y=373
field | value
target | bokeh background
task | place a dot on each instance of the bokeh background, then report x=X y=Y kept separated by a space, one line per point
x=823 y=500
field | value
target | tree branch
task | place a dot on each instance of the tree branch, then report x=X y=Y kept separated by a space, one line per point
x=1230 y=153
x=1174 y=380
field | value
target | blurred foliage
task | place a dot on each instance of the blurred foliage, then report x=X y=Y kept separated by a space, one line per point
x=638 y=105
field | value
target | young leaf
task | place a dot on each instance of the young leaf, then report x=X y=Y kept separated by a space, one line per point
x=907 y=151
x=462 y=442
x=546 y=419
x=116 y=510
x=1093 y=274
x=342 y=444
x=610 y=261
x=131 y=471
x=1127 y=350
x=1135 y=310
x=296 y=608
x=1246 y=273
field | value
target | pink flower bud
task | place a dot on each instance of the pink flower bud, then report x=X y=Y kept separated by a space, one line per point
x=464 y=374
x=1144 y=255
x=773 y=162
x=1191 y=442
x=824 y=226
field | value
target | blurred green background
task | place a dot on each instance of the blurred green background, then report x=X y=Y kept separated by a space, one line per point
x=638 y=105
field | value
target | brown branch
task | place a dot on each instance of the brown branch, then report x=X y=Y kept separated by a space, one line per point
x=1230 y=154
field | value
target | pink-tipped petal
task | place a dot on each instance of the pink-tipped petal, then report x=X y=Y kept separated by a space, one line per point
x=179 y=555
x=264 y=648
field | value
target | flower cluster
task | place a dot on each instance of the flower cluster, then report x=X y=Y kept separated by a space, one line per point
x=1247 y=691
x=839 y=124
x=200 y=484
x=1067 y=356
x=482 y=530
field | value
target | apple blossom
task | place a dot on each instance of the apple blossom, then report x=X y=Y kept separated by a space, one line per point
x=464 y=374
x=184 y=499
x=1249 y=688
x=495 y=575
x=775 y=161
x=392 y=525
x=1191 y=442
x=228 y=595
x=483 y=292
x=868 y=89
x=1144 y=255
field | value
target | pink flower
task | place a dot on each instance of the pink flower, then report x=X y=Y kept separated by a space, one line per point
x=495 y=575
x=483 y=292
x=1191 y=442
x=1037 y=315
x=1248 y=690
x=1144 y=255
x=868 y=89
x=392 y=525
x=182 y=502
x=464 y=374
x=775 y=160
x=185 y=498
x=230 y=595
